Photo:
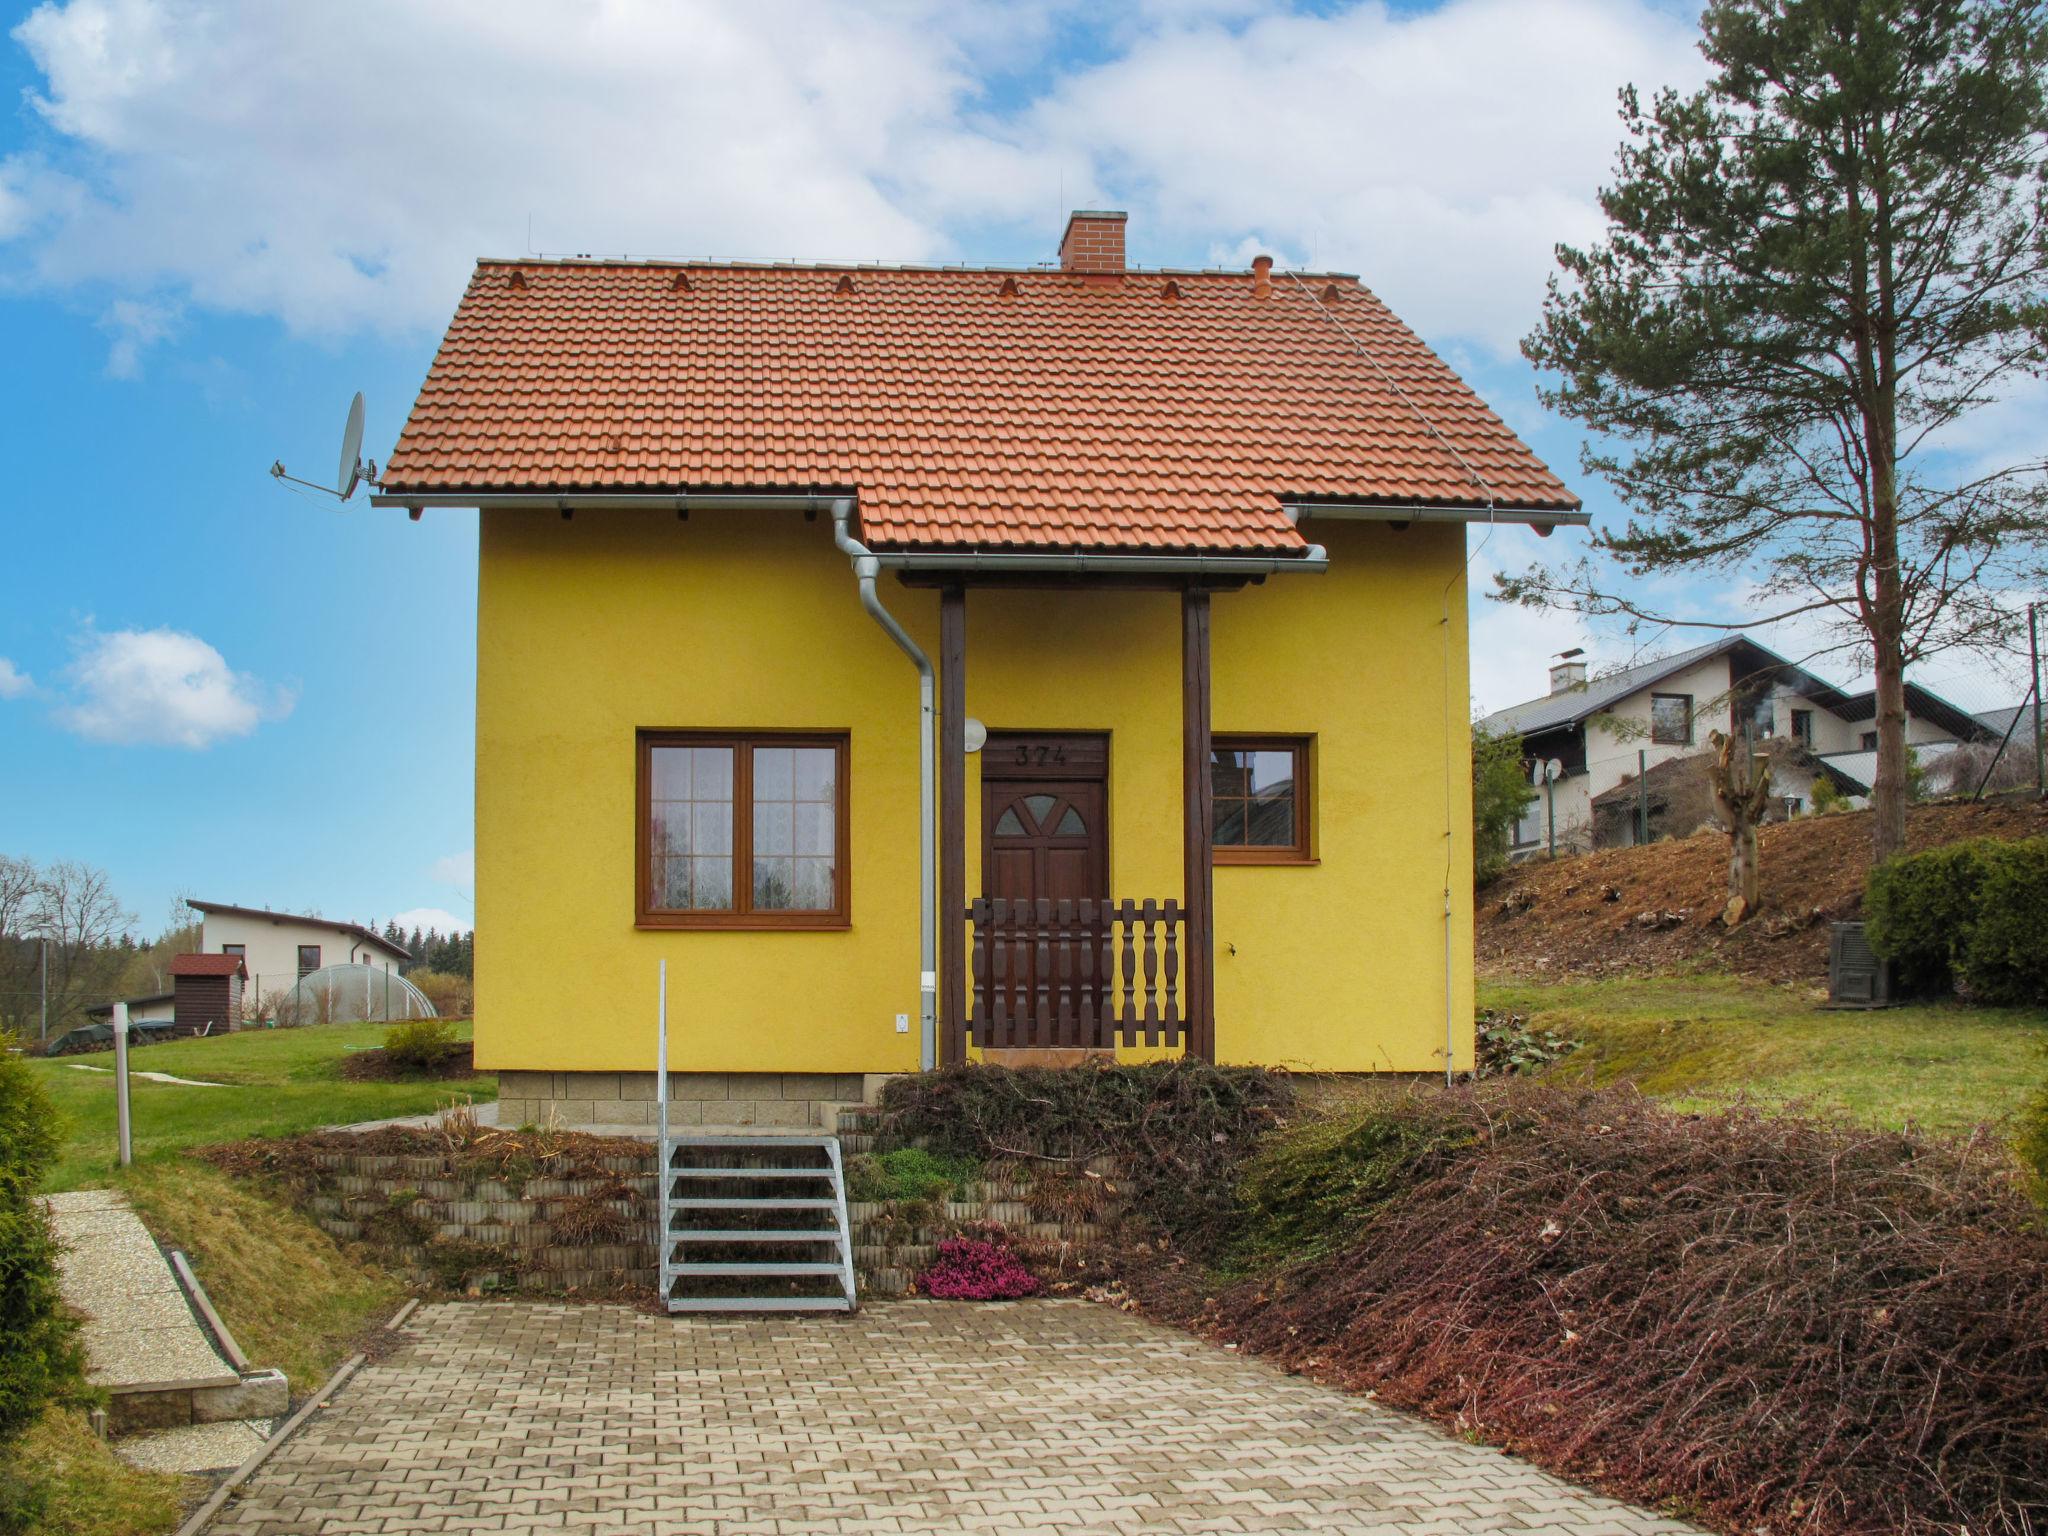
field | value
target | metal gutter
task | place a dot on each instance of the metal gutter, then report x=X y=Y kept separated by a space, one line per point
x=1344 y=511
x=568 y=501
x=1313 y=560
x=867 y=566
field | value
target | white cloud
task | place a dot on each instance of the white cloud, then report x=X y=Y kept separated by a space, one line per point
x=14 y=683
x=454 y=869
x=437 y=919
x=136 y=326
x=243 y=157
x=162 y=687
x=340 y=166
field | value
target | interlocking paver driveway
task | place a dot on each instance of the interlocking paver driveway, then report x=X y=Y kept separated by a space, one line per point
x=912 y=1416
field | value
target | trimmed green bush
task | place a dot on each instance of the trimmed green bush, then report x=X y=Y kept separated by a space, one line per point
x=39 y=1357
x=418 y=1045
x=1972 y=914
x=2006 y=957
x=1917 y=905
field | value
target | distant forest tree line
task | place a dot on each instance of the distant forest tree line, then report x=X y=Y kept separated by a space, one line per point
x=452 y=954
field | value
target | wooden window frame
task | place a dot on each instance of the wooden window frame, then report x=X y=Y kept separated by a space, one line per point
x=742 y=917
x=1691 y=729
x=1302 y=850
x=319 y=957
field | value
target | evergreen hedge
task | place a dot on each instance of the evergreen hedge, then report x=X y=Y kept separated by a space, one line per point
x=39 y=1355
x=1972 y=915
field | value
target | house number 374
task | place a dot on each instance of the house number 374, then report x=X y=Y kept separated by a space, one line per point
x=1041 y=755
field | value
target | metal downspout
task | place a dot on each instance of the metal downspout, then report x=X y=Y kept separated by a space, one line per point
x=866 y=567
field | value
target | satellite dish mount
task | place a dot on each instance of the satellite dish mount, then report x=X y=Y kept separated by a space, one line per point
x=354 y=468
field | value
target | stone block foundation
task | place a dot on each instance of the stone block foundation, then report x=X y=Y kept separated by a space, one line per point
x=579 y=1100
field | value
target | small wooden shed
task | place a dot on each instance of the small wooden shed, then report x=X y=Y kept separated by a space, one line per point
x=208 y=993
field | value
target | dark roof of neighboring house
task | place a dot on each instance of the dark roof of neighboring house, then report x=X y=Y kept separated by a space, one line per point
x=209 y=965
x=132 y=1002
x=962 y=407
x=2017 y=718
x=368 y=935
x=1574 y=705
x=1958 y=722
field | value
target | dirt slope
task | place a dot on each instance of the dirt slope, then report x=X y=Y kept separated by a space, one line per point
x=1636 y=911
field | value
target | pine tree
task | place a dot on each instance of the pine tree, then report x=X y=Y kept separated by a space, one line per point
x=1816 y=269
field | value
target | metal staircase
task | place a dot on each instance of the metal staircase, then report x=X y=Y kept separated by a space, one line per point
x=754 y=1223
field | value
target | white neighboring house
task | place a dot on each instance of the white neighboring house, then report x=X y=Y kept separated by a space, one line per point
x=1604 y=730
x=280 y=947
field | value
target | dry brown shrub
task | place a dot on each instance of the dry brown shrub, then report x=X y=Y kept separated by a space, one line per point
x=1762 y=1320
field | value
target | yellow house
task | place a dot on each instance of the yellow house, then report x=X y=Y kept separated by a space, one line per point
x=929 y=662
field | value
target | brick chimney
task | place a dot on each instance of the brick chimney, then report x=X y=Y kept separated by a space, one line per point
x=1094 y=242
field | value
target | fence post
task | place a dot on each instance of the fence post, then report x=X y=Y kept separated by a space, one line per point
x=661 y=1060
x=124 y=1142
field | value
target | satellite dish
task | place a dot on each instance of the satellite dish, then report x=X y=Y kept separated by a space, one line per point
x=354 y=469
x=1554 y=770
x=975 y=732
x=351 y=450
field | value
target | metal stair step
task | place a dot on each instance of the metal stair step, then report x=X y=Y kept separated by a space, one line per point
x=764 y=1203
x=752 y=1268
x=676 y=1143
x=752 y=1235
x=760 y=1304
x=750 y=1173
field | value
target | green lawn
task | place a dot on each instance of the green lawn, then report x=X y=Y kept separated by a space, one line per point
x=1706 y=1040
x=280 y=1082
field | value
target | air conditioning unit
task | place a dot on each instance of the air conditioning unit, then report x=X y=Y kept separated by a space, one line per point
x=1857 y=978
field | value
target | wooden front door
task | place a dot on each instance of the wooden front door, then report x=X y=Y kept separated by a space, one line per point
x=1045 y=838
x=1044 y=829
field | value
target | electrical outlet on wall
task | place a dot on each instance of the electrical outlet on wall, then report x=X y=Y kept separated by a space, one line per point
x=902 y=1023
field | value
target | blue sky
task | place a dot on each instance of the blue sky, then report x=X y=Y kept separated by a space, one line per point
x=217 y=221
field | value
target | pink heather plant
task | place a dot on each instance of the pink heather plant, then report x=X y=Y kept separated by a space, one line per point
x=976 y=1269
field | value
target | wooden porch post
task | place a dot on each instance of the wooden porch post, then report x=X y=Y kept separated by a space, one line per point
x=953 y=824
x=1197 y=795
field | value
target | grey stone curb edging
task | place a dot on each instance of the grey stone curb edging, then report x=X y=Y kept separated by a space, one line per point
x=347 y=1368
x=182 y=1267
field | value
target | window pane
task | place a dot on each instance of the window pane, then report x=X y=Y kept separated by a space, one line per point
x=670 y=768
x=1270 y=823
x=813 y=885
x=670 y=829
x=774 y=885
x=1269 y=770
x=1232 y=772
x=1229 y=824
x=814 y=829
x=1008 y=825
x=1671 y=718
x=711 y=773
x=1040 y=807
x=774 y=826
x=1071 y=824
x=711 y=827
x=774 y=773
x=711 y=885
x=817 y=773
x=669 y=882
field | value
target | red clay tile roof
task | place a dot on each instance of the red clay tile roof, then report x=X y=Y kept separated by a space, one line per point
x=1151 y=410
x=207 y=965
